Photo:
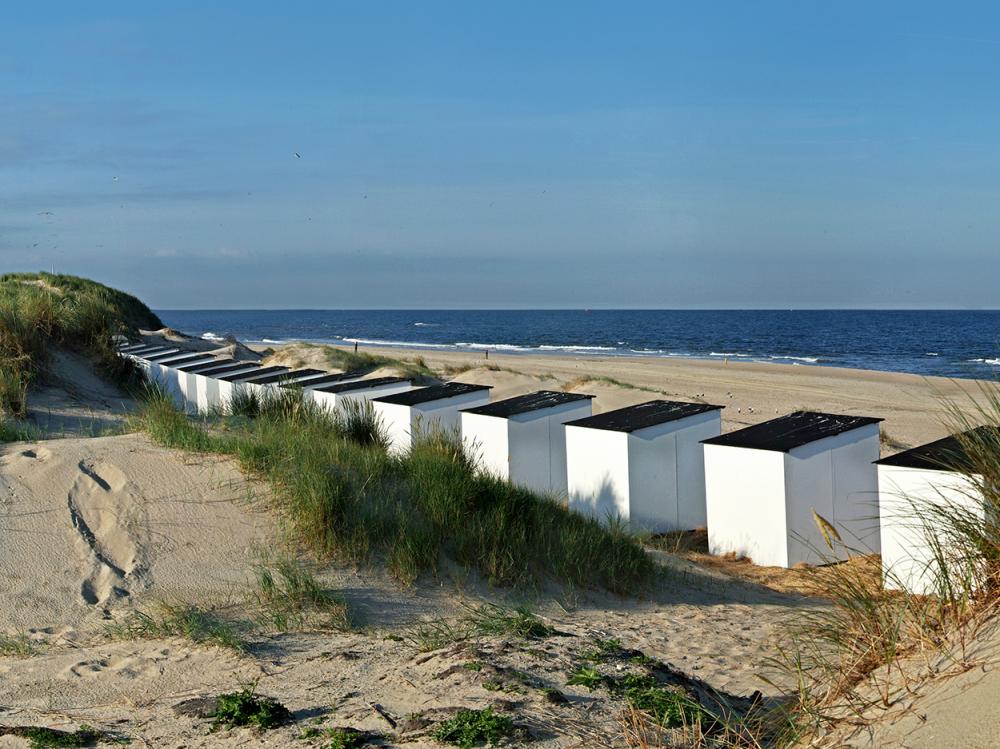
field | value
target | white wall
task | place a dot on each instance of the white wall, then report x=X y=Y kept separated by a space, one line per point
x=403 y=423
x=486 y=438
x=210 y=392
x=537 y=446
x=908 y=543
x=653 y=477
x=333 y=402
x=691 y=512
x=397 y=421
x=745 y=503
x=836 y=478
x=597 y=472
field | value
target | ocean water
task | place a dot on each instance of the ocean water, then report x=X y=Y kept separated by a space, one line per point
x=951 y=343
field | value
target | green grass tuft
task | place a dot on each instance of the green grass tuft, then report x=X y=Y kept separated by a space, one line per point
x=189 y=622
x=290 y=597
x=18 y=646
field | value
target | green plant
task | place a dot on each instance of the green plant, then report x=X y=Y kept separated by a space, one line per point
x=181 y=620
x=470 y=728
x=345 y=738
x=247 y=708
x=345 y=496
x=289 y=595
x=18 y=646
x=586 y=676
x=489 y=619
x=668 y=707
x=41 y=737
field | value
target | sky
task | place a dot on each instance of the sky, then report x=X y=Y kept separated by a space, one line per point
x=517 y=154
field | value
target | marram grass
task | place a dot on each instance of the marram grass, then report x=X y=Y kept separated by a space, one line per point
x=41 y=312
x=346 y=497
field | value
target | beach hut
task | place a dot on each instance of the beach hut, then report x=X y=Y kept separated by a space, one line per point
x=128 y=348
x=145 y=348
x=208 y=386
x=333 y=397
x=326 y=378
x=165 y=372
x=522 y=439
x=406 y=415
x=187 y=379
x=644 y=464
x=765 y=486
x=229 y=384
x=920 y=492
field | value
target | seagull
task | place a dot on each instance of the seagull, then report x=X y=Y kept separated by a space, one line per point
x=297 y=155
x=114 y=179
x=46 y=213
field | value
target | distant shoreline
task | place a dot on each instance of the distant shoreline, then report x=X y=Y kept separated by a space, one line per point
x=949 y=344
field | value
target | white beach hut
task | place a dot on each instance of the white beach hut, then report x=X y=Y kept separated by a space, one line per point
x=332 y=397
x=325 y=378
x=166 y=373
x=229 y=384
x=522 y=439
x=208 y=394
x=764 y=486
x=187 y=379
x=644 y=464
x=919 y=491
x=406 y=415
x=141 y=356
x=128 y=348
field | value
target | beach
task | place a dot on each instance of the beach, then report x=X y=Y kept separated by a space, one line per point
x=136 y=526
x=913 y=406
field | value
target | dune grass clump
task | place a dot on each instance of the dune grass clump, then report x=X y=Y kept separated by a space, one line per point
x=18 y=646
x=289 y=596
x=40 y=312
x=182 y=620
x=486 y=620
x=345 y=496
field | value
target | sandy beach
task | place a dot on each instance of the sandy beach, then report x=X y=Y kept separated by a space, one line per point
x=100 y=527
x=912 y=405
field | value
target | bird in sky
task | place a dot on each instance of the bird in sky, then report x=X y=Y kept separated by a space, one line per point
x=297 y=155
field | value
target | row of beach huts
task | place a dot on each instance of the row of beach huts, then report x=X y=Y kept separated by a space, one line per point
x=775 y=492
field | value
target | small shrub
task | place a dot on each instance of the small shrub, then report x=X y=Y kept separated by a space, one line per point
x=474 y=727
x=492 y=620
x=247 y=708
x=670 y=708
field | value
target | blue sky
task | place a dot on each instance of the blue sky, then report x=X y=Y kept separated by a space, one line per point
x=559 y=154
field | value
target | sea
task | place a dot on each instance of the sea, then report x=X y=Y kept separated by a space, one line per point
x=949 y=343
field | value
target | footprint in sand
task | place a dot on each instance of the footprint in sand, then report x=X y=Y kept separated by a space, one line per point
x=109 y=524
x=131 y=665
